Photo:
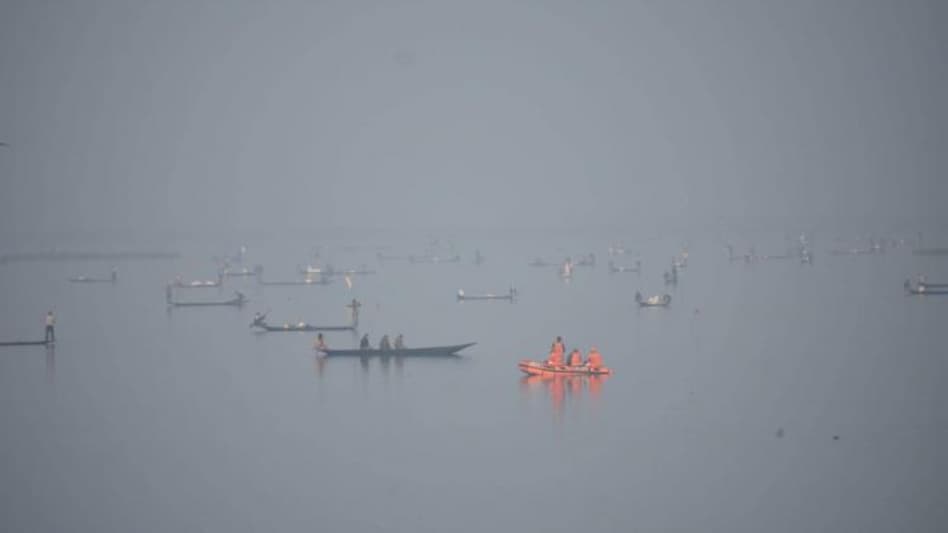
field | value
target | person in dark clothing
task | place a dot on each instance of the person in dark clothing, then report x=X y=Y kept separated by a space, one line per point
x=364 y=343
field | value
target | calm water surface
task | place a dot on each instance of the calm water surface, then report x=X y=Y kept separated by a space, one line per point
x=768 y=397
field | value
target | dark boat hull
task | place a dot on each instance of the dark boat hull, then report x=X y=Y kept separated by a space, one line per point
x=307 y=327
x=228 y=303
x=432 y=351
x=26 y=343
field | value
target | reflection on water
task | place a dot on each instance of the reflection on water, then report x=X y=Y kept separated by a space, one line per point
x=384 y=363
x=564 y=389
x=50 y=363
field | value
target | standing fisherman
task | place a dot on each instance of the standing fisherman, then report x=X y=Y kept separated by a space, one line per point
x=50 y=332
x=354 y=313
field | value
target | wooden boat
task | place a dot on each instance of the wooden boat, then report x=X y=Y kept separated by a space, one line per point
x=615 y=269
x=538 y=262
x=198 y=284
x=922 y=289
x=431 y=351
x=87 y=279
x=27 y=343
x=653 y=301
x=433 y=259
x=511 y=295
x=384 y=257
x=321 y=280
x=296 y=282
x=86 y=256
x=539 y=368
x=236 y=301
x=930 y=251
x=260 y=322
x=586 y=260
x=361 y=271
x=240 y=272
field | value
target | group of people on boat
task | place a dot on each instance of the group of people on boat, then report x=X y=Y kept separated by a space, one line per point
x=558 y=356
x=384 y=343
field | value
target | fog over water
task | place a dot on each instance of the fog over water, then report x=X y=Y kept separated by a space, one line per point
x=771 y=395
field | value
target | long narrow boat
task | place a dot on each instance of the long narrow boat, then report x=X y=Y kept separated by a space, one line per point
x=653 y=301
x=431 y=351
x=306 y=281
x=537 y=368
x=236 y=301
x=88 y=279
x=27 y=343
x=196 y=284
x=296 y=282
x=510 y=296
x=240 y=272
x=615 y=269
x=433 y=259
x=260 y=322
x=930 y=251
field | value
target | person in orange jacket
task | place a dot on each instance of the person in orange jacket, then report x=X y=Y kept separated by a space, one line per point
x=594 y=360
x=576 y=358
x=558 y=345
x=555 y=359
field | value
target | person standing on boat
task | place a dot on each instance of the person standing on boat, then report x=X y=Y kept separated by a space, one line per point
x=321 y=343
x=594 y=360
x=576 y=358
x=558 y=346
x=50 y=332
x=555 y=358
x=364 y=343
x=384 y=344
x=354 y=311
x=399 y=342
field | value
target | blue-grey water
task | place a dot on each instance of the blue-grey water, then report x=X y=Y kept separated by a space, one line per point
x=769 y=397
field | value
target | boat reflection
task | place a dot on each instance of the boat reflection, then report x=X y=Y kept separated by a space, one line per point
x=382 y=362
x=564 y=388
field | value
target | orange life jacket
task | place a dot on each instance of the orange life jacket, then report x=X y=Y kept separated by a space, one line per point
x=576 y=358
x=595 y=359
x=556 y=358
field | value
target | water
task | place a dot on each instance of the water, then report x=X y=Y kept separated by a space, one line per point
x=768 y=397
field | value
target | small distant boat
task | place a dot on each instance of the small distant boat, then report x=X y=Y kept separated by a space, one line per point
x=87 y=279
x=239 y=272
x=615 y=269
x=310 y=270
x=260 y=322
x=27 y=343
x=538 y=368
x=431 y=351
x=238 y=300
x=510 y=296
x=307 y=281
x=922 y=288
x=199 y=284
x=433 y=259
x=361 y=271
x=930 y=251
x=653 y=301
x=386 y=257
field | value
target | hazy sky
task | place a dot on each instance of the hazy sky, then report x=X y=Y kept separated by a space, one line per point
x=180 y=115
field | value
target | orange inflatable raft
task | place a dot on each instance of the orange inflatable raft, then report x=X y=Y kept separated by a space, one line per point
x=539 y=368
